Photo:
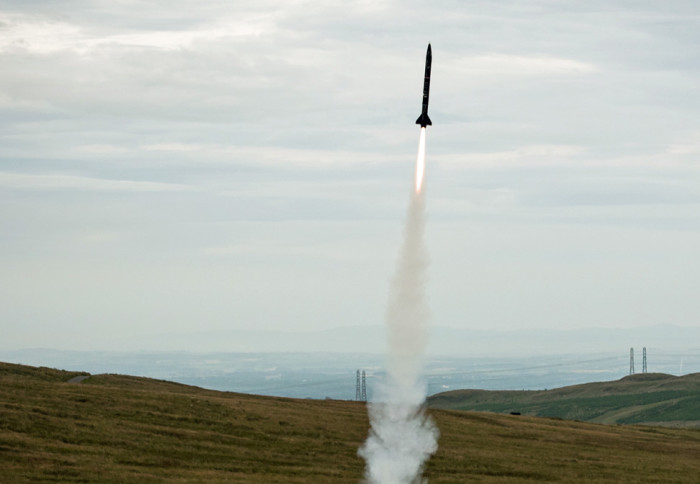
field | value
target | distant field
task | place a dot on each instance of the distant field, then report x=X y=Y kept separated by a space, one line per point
x=647 y=398
x=112 y=428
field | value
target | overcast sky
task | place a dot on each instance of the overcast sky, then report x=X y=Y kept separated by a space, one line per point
x=178 y=166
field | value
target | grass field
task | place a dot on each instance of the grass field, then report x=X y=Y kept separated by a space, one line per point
x=113 y=428
x=647 y=398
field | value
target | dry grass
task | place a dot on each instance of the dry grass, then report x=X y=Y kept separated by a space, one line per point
x=123 y=429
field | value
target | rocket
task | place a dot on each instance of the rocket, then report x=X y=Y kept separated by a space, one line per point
x=423 y=119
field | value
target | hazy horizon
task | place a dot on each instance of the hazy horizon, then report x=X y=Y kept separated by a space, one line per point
x=444 y=341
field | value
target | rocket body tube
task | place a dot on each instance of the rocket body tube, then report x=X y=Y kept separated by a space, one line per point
x=423 y=119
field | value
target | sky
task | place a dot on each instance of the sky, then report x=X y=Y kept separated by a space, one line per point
x=179 y=167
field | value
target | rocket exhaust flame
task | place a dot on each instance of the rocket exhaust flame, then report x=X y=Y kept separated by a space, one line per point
x=402 y=437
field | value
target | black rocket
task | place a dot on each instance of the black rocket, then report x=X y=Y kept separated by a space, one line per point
x=423 y=119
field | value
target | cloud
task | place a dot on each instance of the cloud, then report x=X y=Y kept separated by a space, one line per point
x=42 y=36
x=272 y=156
x=24 y=181
x=103 y=149
x=499 y=65
x=688 y=145
x=28 y=34
x=532 y=155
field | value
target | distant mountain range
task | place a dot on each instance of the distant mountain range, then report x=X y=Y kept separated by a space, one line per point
x=443 y=341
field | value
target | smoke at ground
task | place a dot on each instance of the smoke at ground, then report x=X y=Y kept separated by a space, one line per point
x=402 y=437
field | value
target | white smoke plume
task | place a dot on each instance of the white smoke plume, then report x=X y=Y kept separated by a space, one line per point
x=402 y=437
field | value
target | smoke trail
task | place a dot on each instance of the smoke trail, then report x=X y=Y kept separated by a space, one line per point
x=402 y=437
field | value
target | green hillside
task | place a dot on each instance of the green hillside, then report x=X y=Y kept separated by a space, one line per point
x=647 y=398
x=112 y=428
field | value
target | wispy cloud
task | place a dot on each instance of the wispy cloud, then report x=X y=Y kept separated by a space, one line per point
x=498 y=64
x=71 y=182
x=46 y=35
x=532 y=155
x=267 y=155
x=686 y=146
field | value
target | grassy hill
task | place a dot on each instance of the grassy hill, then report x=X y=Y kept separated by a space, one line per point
x=112 y=428
x=647 y=398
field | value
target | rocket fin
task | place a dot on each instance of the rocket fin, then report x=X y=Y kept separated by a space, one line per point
x=424 y=120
